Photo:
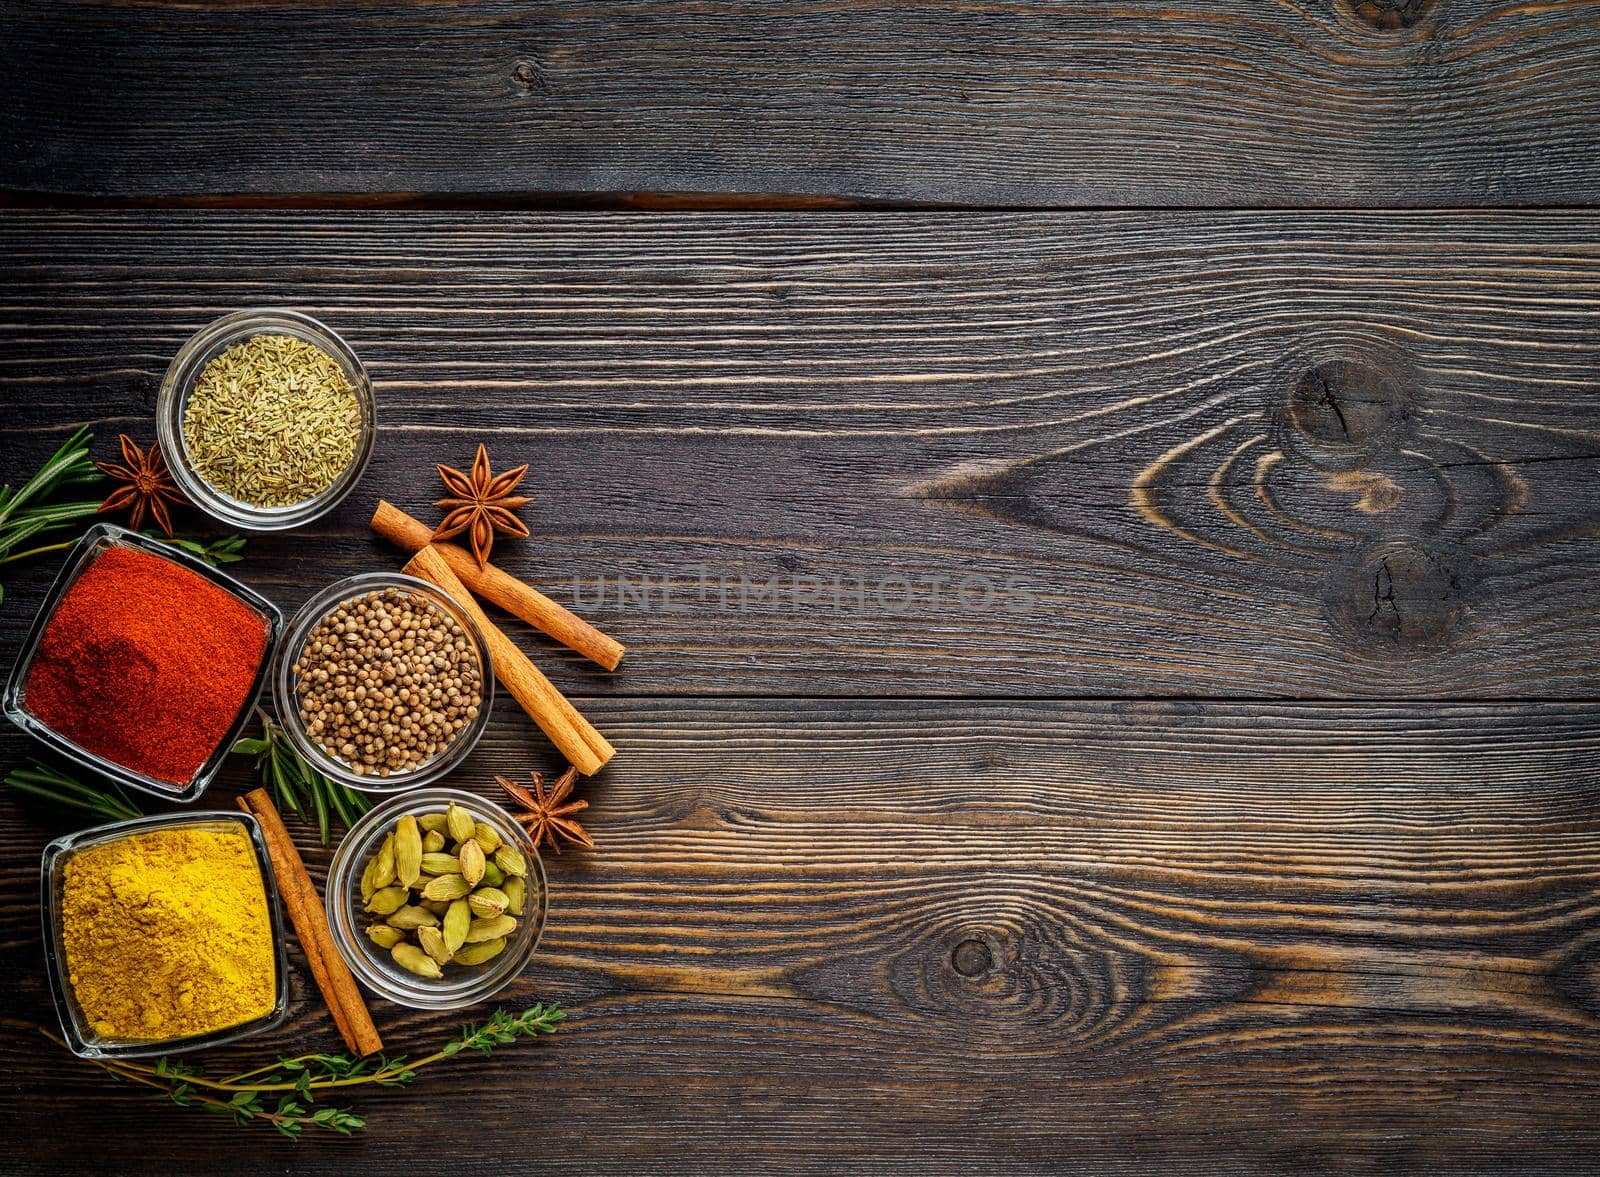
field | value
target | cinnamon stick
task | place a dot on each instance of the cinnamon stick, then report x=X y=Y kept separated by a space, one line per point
x=491 y=583
x=311 y=926
x=569 y=731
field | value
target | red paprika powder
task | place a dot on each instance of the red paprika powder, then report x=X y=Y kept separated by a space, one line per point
x=145 y=663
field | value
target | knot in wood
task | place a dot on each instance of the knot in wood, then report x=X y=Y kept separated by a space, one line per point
x=1388 y=15
x=1402 y=595
x=972 y=958
x=1345 y=404
x=528 y=76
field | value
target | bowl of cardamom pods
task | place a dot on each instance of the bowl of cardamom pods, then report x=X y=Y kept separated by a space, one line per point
x=266 y=419
x=437 y=899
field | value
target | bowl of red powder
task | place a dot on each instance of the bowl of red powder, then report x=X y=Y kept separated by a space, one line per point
x=143 y=663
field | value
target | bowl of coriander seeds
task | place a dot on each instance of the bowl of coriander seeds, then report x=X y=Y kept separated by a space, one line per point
x=384 y=682
x=266 y=419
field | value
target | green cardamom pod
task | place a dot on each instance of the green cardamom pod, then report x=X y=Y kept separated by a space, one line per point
x=388 y=900
x=492 y=929
x=409 y=919
x=487 y=837
x=367 y=885
x=440 y=863
x=383 y=864
x=432 y=941
x=456 y=922
x=516 y=891
x=384 y=936
x=437 y=906
x=431 y=821
x=480 y=952
x=459 y=823
x=447 y=887
x=472 y=861
x=432 y=842
x=488 y=902
x=510 y=860
x=407 y=850
x=413 y=959
x=493 y=875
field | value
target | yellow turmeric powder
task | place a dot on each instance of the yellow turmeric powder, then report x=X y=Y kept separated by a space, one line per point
x=167 y=933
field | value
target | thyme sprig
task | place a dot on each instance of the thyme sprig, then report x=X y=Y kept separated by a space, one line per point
x=295 y=785
x=216 y=553
x=38 y=779
x=283 y=1093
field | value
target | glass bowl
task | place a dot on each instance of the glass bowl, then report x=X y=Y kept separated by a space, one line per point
x=300 y=628
x=179 y=382
x=81 y=1038
x=96 y=540
x=461 y=985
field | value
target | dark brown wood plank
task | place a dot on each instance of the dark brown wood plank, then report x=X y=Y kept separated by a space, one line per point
x=926 y=936
x=1354 y=103
x=1191 y=454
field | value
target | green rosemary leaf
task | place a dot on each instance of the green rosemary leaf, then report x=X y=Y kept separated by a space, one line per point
x=22 y=530
x=55 y=514
x=38 y=779
x=296 y=786
x=319 y=798
x=282 y=792
x=72 y=457
x=336 y=799
x=70 y=465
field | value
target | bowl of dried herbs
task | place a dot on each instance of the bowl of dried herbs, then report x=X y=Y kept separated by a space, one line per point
x=266 y=418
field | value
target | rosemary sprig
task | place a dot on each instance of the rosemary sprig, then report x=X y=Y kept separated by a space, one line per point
x=282 y=1093
x=295 y=785
x=38 y=779
x=22 y=518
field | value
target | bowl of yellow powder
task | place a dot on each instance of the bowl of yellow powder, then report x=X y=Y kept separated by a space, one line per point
x=163 y=934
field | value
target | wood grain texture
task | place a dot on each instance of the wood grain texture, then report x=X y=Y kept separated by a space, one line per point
x=1257 y=103
x=1312 y=455
x=926 y=936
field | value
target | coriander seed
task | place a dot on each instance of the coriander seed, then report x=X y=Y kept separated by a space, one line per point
x=386 y=682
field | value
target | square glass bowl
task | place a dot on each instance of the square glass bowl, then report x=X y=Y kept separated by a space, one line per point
x=80 y=1036
x=96 y=540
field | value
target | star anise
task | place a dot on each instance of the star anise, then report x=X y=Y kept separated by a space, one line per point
x=481 y=504
x=146 y=485
x=546 y=816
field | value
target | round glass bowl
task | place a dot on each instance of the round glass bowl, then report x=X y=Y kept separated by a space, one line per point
x=204 y=346
x=285 y=680
x=461 y=985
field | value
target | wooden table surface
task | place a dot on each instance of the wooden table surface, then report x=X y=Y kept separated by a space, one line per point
x=1105 y=517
